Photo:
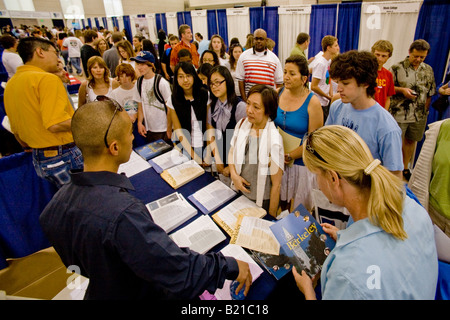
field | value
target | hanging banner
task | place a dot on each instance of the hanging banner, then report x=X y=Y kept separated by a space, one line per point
x=141 y=25
x=294 y=9
x=237 y=12
x=391 y=7
x=198 y=13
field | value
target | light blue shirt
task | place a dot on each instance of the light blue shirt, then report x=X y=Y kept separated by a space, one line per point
x=368 y=263
x=376 y=127
x=202 y=46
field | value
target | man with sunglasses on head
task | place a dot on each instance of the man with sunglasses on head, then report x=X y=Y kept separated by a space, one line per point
x=40 y=111
x=258 y=65
x=96 y=224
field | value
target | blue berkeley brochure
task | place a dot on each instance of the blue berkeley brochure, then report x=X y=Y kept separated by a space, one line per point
x=302 y=241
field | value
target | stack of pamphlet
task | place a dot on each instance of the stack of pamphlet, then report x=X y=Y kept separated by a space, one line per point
x=212 y=196
x=171 y=211
x=153 y=149
x=201 y=235
x=228 y=216
x=181 y=174
x=255 y=234
x=134 y=165
x=168 y=160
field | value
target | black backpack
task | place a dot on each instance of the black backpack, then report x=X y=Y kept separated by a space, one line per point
x=158 y=94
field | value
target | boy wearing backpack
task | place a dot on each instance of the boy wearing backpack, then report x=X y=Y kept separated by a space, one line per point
x=153 y=91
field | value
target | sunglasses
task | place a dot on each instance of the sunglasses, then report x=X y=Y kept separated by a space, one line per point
x=118 y=108
x=307 y=138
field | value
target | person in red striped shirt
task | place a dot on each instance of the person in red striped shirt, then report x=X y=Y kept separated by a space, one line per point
x=258 y=65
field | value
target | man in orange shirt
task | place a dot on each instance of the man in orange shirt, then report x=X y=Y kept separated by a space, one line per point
x=185 y=43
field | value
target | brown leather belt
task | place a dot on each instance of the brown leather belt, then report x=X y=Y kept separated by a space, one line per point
x=63 y=147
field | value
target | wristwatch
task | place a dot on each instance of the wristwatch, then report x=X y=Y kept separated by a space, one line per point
x=289 y=157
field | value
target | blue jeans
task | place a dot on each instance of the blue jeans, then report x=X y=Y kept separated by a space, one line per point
x=56 y=168
x=76 y=63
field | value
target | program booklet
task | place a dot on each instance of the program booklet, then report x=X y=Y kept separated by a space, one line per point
x=167 y=160
x=171 y=211
x=153 y=149
x=134 y=165
x=183 y=173
x=237 y=252
x=227 y=217
x=200 y=235
x=303 y=241
x=212 y=196
x=290 y=143
x=255 y=234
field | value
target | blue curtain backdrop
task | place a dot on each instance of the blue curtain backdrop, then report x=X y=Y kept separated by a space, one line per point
x=349 y=17
x=271 y=25
x=322 y=23
x=161 y=22
x=184 y=17
x=212 y=23
x=432 y=26
x=89 y=22
x=127 y=27
x=97 y=24
x=105 y=22
x=222 y=24
x=180 y=18
x=256 y=15
x=115 y=22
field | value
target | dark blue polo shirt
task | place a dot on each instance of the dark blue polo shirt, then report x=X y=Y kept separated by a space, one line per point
x=94 y=223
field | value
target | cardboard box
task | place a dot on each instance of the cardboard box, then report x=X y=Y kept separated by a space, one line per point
x=41 y=275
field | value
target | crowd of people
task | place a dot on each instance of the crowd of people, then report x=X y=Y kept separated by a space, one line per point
x=272 y=130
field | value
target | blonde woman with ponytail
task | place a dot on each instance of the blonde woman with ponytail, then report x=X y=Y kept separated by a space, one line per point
x=388 y=249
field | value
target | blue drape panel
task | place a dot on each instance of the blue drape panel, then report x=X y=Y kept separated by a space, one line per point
x=105 y=22
x=97 y=24
x=115 y=21
x=432 y=26
x=271 y=25
x=187 y=18
x=23 y=196
x=127 y=27
x=158 y=21
x=322 y=23
x=161 y=22
x=89 y=22
x=222 y=24
x=256 y=15
x=184 y=17
x=83 y=23
x=212 y=23
x=349 y=18
x=180 y=18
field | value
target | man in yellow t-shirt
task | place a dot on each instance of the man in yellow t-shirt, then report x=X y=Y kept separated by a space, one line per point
x=40 y=112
